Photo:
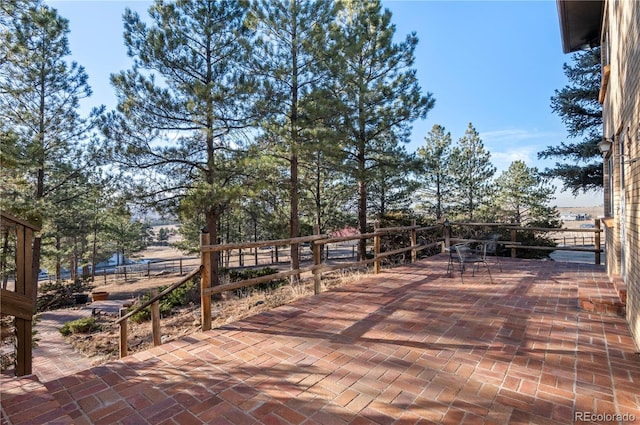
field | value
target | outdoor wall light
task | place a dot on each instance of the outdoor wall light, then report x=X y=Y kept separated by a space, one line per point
x=604 y=145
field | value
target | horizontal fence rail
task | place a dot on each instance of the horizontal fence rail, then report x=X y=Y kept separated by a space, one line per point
x=155 y=315
x=514 y=246
x=438 y=237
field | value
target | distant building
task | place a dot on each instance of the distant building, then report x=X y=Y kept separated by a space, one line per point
x=614 y=26
x=574 y=216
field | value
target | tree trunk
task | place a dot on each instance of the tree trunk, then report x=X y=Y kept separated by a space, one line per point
x=212 y=228
x=58 y=262
x=362 y=219
x=294 y=221
x=94 y=253
x=362 y=196
x=294 y=229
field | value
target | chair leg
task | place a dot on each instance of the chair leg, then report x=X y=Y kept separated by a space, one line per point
x=489 y=270
x=498 y=261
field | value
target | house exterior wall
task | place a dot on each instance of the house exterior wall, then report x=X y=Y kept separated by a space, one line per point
x=621 y=116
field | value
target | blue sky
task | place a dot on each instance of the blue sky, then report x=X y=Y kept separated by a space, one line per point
x=495 y=64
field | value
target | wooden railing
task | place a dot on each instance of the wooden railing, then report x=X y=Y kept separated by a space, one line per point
x=441 y=238
x=154 y=302
x=317 y=267
x=21 y=303
x=514 y=246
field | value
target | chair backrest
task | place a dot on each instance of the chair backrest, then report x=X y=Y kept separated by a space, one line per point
x=463 y=250
x=491 y=244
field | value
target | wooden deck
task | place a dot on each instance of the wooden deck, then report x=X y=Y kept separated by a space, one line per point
x=407 y=346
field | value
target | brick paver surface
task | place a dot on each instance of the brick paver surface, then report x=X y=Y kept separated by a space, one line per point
x=409 y=345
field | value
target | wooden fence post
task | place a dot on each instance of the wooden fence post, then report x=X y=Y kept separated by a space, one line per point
x=205 y=282
x=376 y=249
x=123 y=334
x=597 y=241
x=24 y=285
x=155 y=319
x=513 y=239
x=317 y=274
x=414 y=241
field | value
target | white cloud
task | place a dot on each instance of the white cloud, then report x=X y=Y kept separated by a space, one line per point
x=510 y=145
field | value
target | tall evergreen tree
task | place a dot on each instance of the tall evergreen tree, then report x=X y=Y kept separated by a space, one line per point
x=523 y=196
x=392 y=186
x=182 y=105
x=322 y=179
x=472 y=173
x=436 y=171
x=39 y=98
x=578 y=107
x=378 y=91
x=289 y=56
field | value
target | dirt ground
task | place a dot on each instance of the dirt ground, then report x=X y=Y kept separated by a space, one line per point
x=102 y=346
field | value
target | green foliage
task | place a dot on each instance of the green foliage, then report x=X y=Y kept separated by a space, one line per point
x=163 y=236
x=123 y=231
x=377 y=92
x=239 y=275
x=436 y=174
x=472 y=172
x=578 y=107
x=42 y=132
x=59 y=294
x=184 y=295
x=533 y=238
x=392 y=185
x=523 y=196
x=80 y=326
x=182 y=105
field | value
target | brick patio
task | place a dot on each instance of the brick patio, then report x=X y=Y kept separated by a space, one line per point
x=409 y=345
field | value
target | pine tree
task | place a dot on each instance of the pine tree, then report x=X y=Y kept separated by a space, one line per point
x=392 y=186
x=289 y=55
x=378 y=91
x=323 y=179
x=182 y=105
x=523 y=195
x=577 y=104
x=436 y=171
x=39 y=98
x=472 y=173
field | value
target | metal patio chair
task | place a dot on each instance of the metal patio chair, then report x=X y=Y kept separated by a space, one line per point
x=489 y=246
x=467 y=256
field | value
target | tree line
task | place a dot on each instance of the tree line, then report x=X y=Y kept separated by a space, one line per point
x=250 y=120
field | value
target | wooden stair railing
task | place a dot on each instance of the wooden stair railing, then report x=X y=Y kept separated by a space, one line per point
x=21 y=303
x=155 y=312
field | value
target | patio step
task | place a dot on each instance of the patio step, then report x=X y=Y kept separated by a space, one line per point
x=606 y=298
x=621 y=287
x=28 y=399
